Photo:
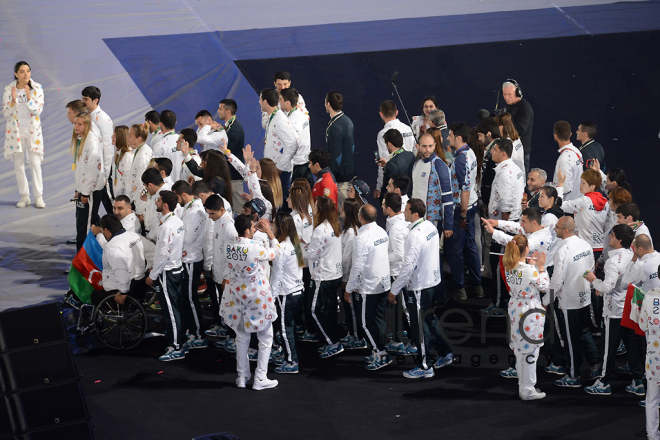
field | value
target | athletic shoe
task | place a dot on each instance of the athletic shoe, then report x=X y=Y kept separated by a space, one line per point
x=346 y=340
x=459 y=294
x=642 y=403
x=322 y=348
x=253 y=354
x=408 y=350
x=637 y=388
x=443 y=361
x=287 y=368
x=536 y=395
x=477 y=292
x=371 y=358
x=623 y=370
x=418 y=373
x=172 y=354
x=332 y=350
x=217 y=331
x=491 y=310
x=228 y=345
x=39 y=203
x=241 y=381
x=194 y=342
x=25 y=201
x=308 y=337
x=382 y=360
x=509 y=373
x=357 y=344
x=263 y=383
x=300 y=329
x=276 y=354
x=278 y=361
x=555 y=369
x=621 y=350
x=599 y=388
x=393 y=347
x=569 y=382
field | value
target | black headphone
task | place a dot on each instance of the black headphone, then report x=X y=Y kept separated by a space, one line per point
x=519 y=93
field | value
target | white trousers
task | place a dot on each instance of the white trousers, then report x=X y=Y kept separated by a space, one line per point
x=526 y=369
x=35 y=165
x=243 y=343
x=652 y=401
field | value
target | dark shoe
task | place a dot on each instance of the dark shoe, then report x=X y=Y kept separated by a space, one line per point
x=477 y=292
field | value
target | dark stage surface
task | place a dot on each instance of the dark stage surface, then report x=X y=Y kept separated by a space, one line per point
x=131 y=395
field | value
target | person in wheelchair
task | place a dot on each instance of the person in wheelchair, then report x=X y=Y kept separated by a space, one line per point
x=124 y=265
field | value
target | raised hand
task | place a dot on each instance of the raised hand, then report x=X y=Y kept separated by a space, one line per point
x=561 y=178
x=13 y=95
x=248 y=154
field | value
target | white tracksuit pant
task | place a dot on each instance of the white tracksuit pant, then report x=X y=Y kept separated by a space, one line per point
x=243 y=343
x=652 y=419
x=526 y=368
x=35 y=165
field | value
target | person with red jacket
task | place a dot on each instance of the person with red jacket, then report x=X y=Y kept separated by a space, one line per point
x=326 y=184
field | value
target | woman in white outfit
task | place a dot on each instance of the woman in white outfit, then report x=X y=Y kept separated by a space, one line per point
x=23 y=102
x=422 y=122
x=142 y=154
x=525 y=281
x=121 y=168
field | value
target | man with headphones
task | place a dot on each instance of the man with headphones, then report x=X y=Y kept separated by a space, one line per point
x=522 y=115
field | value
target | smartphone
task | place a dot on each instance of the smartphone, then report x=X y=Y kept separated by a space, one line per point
x=590 y=162
x=377 y=155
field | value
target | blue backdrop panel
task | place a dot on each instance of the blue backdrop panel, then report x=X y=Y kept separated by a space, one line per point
x=188 y=73
x=608 y=79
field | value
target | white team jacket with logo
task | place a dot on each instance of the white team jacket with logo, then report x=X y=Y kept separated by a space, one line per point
x=194 y=219
x=169 y=246
x=140 y=163
x=507 y=191
x=612 y=288
x=286 y=277
x=540 y=240
x=421 y=263
x=89 y=167
x=408 y=144
x=324 y=252
x=589 y=223
x=224 y=234
x=643 y=272
x=347 y=240
x=300 y=123
x=166 y=147
x=397 y=231
x=570 y=163
x=106 y=128
x=281 y=141
x=573 y=258
x=211 y=139
x=123 y=261
x=369 y=274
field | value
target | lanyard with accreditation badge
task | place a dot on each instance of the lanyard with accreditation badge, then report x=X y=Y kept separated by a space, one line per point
x=75 y=156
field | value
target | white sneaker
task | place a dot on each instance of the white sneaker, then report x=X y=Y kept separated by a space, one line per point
x=533 y=396
x=39 y=203
x=263 y=383
x=25 y=200
x=241 y=381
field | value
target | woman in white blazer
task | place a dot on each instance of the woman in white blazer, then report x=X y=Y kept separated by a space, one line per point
x=22 y=104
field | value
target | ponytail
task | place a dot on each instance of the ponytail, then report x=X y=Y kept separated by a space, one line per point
x=513 y=251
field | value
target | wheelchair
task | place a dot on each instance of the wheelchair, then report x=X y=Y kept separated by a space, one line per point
x=121 y=326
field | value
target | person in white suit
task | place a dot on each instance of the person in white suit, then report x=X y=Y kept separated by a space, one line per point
x=22 y=104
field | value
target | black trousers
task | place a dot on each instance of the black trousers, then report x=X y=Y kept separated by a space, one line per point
x=611 y=337
x=636 y=348
x=214 y=297
x=191 y=309
x=101 y=197
x=288 y=307
x=83 y=219
x=170 y=295
x=424 y=326
x=303 y=171
x=577 y=339
x=596 y=308
x=324 y=308
x=370 y=313
x=310 y=322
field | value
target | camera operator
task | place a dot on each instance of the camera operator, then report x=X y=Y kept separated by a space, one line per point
x=522 y=115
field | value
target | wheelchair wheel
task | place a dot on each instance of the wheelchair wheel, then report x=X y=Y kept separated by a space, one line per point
x=120 y=326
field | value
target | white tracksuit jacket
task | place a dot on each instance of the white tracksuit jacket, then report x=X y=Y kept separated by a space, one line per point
x=649 y=321
x=525 y=284
x=141 y=157
x=347 y=240
x=194 y=219
x=570 y=163
x=612 y=288
x=281 y=141
x=224 y=234
x=324 y=251
x=518 y=154
x=540 y=240
x=303 y=227
x=89 y=167
x=104 y=123
x=169 y=246
x=643 y=272
x=408 y=144
x=421 y=264
x=369 y=274
x=573 y=258
x=123 y=261
x=166 y=147
x=151 y=216
x=211 y=139
x=207 y=250
x=121 y=179
x=589 y=223
x=301 y=106
x=507 y=191
x=300 y=123
x=286 y=277
x=397 y=231
x=130 y=223
x=185 y=171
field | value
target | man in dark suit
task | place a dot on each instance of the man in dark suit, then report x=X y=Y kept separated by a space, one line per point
x=400 y=160
x=236 y=141
x=339 y=138
x=590 y=149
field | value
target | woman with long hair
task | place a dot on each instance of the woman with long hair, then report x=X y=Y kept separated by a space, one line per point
x=122 y=162
x=324 y=251
x=269 y=172
x=88 y=171
x=287 y=287
x=508 y=130
x=422 y=122
x=303 y=183
x=525 y=281
x=142 y=153
x=22 y=104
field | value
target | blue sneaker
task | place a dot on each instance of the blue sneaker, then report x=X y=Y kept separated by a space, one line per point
x=229 y=345
x=322 y=348
x=623 y=370
x=443 y=361
x=382 y=360
x=287 y=368
x=308 y=337
x=276 y=354
x=357 y=344
x=621 y=350
x=371 y=358
x=346 y=340
x=393 y=347
x=172 y=354
x=407 y=350
x=217 y=332
x=555 y=369
x=253 y=354
x=300 y=329
x=642 y=403
x=569 y=382
x=332 y=350
x=637 y=388
x=194 y=342
x=509 y=373
x=599 y=388
x=418 y=373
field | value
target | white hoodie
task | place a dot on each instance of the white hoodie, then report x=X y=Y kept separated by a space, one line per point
x=573 y=259
x=194 y=219
x=286 y=276
x=506 y=191
x=324 y=251
x=397 y=231
x=123 y=261
x=570 y=163
x=169 y=246
x=421 y=264
x=368 y=274
x=612 y=288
